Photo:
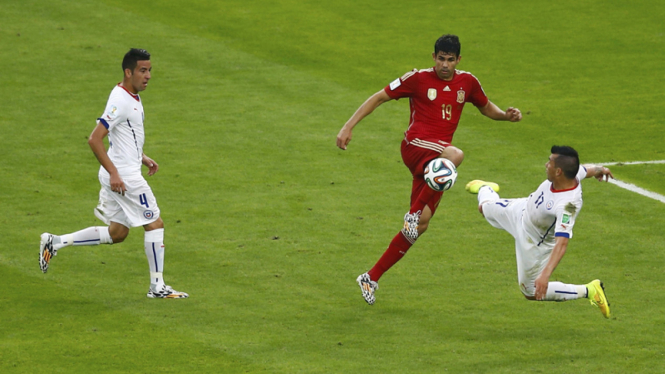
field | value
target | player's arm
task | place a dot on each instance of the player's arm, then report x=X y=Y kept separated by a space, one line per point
x=494 y=112
x=153 y=167
x=599 y=172
x=96 y=143
x=543 y=279
x=373 y=102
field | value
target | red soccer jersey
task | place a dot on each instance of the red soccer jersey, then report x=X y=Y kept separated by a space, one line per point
x=436 y=104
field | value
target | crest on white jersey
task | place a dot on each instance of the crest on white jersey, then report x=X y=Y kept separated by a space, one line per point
x=447 y=89
x=394 y=84
x=431 y=93
x=460 y=96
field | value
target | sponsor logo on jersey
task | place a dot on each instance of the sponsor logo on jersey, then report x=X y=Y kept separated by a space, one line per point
x=148 y=214
x=447 y=89
x=550 y=204
x=460 y=96
x=566 y=218
x=394 y=84
x=431 y=93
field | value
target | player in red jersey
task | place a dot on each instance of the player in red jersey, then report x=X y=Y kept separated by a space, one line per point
x=437 y=96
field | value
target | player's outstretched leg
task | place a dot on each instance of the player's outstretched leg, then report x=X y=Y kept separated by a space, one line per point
x=596 y=295
x=46 y=251
x=368 y=287
x=166 y=292
x=475 y=185
x=411 y=221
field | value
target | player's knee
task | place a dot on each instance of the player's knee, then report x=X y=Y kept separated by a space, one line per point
x=529 y=293
x=480 y=209
x=529 y=297
x=158 y=224
x=118 y=232
x=118 y=237
x=422 y=227
x=453 y=154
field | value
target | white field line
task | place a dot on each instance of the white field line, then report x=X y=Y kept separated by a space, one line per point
x=633 y=163
x=639 y=190
x=632 y=187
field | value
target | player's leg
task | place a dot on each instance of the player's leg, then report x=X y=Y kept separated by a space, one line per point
x=531 y=260
x=154 y=251
x=422 y=199
x=50 y=244
x=453 y=154
x=89 y=236
x=108 y=210
x=416 y=158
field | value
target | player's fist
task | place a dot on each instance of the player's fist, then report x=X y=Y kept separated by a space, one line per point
x=513 y=114
x=343 y=138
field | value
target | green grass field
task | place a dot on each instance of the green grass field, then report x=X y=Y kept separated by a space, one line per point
x=268 y=223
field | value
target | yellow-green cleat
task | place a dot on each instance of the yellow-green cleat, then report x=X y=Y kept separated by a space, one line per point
x=475 y=185
x=596 y=295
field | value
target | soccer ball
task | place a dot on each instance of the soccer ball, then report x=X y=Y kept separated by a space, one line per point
x=440 y=174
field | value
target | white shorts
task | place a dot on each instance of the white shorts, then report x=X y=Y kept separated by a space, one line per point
x=137 y=207
x=531 y=258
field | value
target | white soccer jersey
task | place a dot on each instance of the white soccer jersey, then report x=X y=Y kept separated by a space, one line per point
x=123 y=118
x=551 y=213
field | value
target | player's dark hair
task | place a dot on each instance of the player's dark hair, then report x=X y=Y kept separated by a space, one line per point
x=448 y=44
x=568 y=160
x=132 y=57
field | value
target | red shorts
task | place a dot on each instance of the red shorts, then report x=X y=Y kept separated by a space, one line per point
x=415 y=155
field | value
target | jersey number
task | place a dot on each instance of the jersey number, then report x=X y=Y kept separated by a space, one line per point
x=143 y=200
x=539 y=200
x=447 y=111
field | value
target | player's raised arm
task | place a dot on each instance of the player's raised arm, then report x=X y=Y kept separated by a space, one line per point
x=373 y=102
x=494 y=112
x=599 y=172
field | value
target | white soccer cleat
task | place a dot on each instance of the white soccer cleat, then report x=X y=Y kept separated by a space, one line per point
x=411 y=221
x=46 y=251
x=166 y=292
x=368 y=287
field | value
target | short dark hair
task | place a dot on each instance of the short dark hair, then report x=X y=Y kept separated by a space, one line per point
x=132 y=57
x=448 y=44
x=568 y=160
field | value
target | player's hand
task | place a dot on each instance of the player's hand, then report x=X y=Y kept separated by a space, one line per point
x=513 y=114
x=117 y=185
x=605 y=174
x=153 y=167
x=541 y=287
x=343 y=138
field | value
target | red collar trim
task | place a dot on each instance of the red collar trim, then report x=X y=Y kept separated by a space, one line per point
x=557 y=191
x=135 y=96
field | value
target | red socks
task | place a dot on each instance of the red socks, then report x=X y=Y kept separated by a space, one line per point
x=396 y=250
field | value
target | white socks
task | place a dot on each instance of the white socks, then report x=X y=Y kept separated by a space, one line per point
x=91 y=236
x=154 y=251
x=557 y=291
x=486 y=193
